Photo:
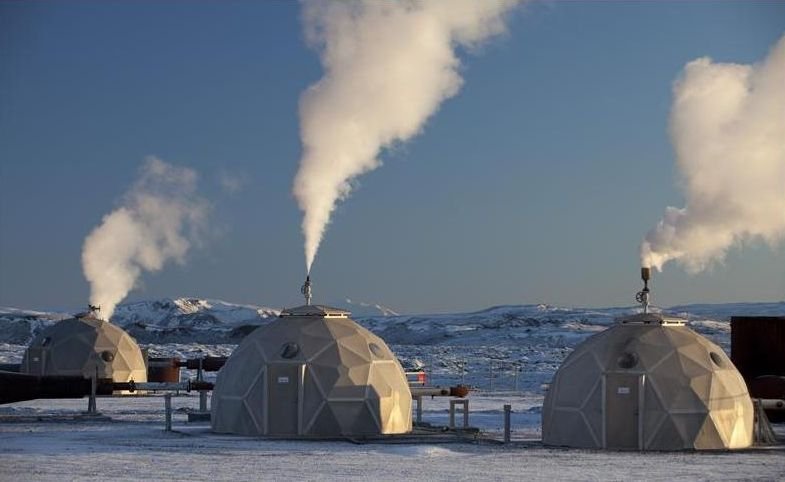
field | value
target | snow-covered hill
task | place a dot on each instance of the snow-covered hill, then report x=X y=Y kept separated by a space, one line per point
x=195 y=320
x=180 y=320
x=362 y=308
x=514 y=347
x=19 y=326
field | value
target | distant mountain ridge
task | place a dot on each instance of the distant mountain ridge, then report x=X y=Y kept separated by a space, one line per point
x=171 y=312
x=198 y=320
x=169 y=320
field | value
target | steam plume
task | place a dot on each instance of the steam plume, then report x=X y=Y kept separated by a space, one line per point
x=388 y=66
x=728 y=130
x=160 y=218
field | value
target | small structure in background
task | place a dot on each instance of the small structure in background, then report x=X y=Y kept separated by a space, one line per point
x=648 y=383
x=312 y=373
x=85 y=346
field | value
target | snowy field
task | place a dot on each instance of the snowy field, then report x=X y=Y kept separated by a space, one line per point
x=507 y=354
x=39 y=442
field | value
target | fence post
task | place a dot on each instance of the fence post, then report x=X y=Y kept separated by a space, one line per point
x=92 y=408
x=507 y=410
x=168 y=410
x=419 y=409
x=490 y=375
x=202 y=393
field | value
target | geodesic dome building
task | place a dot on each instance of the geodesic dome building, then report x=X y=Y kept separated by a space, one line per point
x=313 y=372
x=77 y=346
x=648 y=383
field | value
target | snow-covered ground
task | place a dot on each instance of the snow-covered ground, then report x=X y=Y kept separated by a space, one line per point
x=133 y=446
x=507 y=353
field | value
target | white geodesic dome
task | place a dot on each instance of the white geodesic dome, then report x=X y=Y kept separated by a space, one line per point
x=77 y=346
x=313 y=372
x=648 y=383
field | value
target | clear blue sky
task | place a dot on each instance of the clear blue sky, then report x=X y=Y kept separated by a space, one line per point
x=535 y=184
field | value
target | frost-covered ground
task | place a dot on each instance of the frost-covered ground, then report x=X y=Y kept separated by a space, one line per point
x=133 y=446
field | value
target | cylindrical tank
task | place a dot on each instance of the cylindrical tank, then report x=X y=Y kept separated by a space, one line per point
x=163 y=370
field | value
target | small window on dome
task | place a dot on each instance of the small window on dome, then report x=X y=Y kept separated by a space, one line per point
x=290 y=350
x=107 y=356
x=627 y=360
x=717 y=359
x=376 y=350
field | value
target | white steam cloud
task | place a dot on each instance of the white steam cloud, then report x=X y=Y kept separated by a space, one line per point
x=728 y=130
x=388 y=66
x=160 y=218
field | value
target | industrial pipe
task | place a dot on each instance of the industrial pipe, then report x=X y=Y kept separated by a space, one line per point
x=186 y=386
x=456 y=391
x=771 y=403
x=208 y=363
x=18 y=387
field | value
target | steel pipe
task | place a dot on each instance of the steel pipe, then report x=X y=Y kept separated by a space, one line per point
x=208 y=363
x=457 y=391
x=18 y=387
x=772 y=403
x=507 y=430
x=162 y=386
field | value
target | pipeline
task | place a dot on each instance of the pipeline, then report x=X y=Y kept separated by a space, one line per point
x=188 y=386
x=18 y=387
x=208 y=363
x=771 y=403
x=168 y=369
x=456 y=391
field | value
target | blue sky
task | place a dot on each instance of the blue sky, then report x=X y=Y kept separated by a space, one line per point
x=535 y=184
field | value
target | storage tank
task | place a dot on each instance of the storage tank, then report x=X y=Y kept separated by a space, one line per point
x=313 y=372
x=79 y=345
x=648 y=383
